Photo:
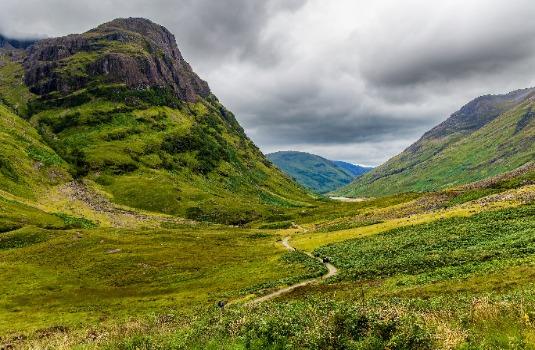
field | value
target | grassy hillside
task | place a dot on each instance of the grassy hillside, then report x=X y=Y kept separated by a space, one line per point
x=314 y=172
x=152 y=138
x=184 y=160
x=27 y=165
x=489 y=136
x=488 y=240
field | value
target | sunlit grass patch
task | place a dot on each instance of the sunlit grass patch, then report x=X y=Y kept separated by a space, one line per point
x=71 y=277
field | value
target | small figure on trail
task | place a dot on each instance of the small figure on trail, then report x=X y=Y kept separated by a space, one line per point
x=326 y=259
x=221 y=304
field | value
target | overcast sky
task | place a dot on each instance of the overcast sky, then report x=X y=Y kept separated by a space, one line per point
x=346 y=79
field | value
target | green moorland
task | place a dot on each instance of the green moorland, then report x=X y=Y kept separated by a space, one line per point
x=27 y=164
x=92 y=277
x=458 y=276
x=13 y=92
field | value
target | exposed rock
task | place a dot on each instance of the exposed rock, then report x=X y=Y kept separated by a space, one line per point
x=133 y=51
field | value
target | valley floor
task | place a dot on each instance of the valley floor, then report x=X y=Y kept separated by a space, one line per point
x=451 y=270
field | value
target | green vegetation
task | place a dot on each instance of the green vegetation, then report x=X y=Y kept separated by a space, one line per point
x=445 y=248
x=27 y=165
x=97 y=276
x=144 y=218
x=74 y=222
x=314 y=172
x=165 y=159
x=277 y=225
x=168 y=160
x=456 y=155
x=468 y=276
x=14 y=215
x=13 y=92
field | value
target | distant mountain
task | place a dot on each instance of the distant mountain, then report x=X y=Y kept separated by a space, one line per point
x=354 y=170
x=124 y=113
x=9 y=43
x=315 y=172
x=490 y=135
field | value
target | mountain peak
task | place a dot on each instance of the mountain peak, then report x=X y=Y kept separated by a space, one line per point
x=135 y=24
x=478 y=112
x=131 y=51
x=155 y=34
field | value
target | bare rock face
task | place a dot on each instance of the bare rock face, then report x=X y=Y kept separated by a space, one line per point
x=133 y=51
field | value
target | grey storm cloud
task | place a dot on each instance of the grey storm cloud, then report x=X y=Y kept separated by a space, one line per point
x=349 y=79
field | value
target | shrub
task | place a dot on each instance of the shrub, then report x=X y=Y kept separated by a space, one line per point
x=207 y=145
x=277 y=225
x=75 y=222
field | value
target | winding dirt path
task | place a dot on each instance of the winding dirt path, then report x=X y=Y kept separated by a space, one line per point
x=331 y=271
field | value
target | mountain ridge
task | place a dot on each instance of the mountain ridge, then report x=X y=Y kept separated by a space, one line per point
x=315 y=172
x=489 y=135
x=133 y=51
x=19 y=44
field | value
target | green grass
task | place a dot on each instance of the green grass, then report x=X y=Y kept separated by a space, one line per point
x=465 y=322
x=75 y=222
x=13 y=92
x=14 y=215
x=157 y=288
x=442 y=249
x=87 y=277
x=276 y=225
x=27 y=165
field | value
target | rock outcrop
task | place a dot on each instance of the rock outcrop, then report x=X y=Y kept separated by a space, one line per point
x=133 y=51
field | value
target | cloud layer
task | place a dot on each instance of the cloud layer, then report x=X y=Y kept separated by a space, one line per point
x=346 y=79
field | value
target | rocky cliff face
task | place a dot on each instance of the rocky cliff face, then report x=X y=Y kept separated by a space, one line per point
x=133 y=51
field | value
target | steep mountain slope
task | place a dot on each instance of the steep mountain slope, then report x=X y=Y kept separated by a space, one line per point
x=488 y=136
x=315 y=172
x=355 y=170
x=122 y=107
x=27 y=165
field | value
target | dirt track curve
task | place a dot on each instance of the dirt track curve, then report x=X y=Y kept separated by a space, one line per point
x=331 y=271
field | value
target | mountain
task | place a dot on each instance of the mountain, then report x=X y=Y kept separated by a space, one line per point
x=315 y=172
x=490 y=135
x=8 y=43
x=352 y=169
x=120 y=108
